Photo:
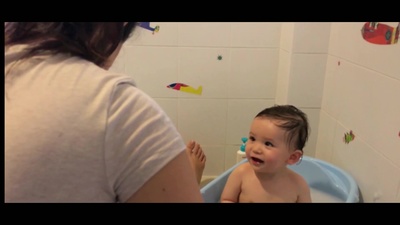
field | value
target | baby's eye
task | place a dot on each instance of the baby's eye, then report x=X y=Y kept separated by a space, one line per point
x=251 y=138
x=268 y=144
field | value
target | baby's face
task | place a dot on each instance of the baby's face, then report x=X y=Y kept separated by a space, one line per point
x=266 y=148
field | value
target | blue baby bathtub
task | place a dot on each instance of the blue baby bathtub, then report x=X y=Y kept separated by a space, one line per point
x=320 y=175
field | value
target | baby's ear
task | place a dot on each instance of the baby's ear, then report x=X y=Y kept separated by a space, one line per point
x=295 y=157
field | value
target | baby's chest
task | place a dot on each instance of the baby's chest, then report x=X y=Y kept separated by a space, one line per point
x=267 y=192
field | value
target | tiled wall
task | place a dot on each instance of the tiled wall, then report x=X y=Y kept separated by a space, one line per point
x=302 y=65
x=362 y=93
x=267 y=63
x=235 y=88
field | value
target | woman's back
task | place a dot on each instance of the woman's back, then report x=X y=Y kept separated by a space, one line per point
x=76 y=132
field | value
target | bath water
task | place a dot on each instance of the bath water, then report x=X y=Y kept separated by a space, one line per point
x=318 y=196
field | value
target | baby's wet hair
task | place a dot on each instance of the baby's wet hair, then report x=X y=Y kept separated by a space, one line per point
x=292 y=120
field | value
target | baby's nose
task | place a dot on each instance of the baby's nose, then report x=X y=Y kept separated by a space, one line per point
x=256 y=149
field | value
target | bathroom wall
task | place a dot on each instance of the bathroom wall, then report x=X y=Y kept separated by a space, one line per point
x=301 y=73
x=341 y=81
x=362 y=94
x=235 y=63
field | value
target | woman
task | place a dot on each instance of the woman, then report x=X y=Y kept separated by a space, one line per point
x=76 y=132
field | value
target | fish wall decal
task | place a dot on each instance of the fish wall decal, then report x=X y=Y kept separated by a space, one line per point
x=379 y=33
x=186 y=88
x=146 y=25
x=348 y=137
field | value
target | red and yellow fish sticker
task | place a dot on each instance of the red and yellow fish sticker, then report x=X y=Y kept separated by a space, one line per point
x=186 y=88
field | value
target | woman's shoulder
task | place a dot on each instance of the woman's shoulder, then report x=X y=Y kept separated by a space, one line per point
x=80 y=67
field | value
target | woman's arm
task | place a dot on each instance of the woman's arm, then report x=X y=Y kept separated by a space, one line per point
x=176 y=182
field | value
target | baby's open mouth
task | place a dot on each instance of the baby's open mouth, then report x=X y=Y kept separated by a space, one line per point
x=257 y=160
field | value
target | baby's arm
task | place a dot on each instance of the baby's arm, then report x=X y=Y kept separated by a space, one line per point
x=232 y=188
x=304 y=191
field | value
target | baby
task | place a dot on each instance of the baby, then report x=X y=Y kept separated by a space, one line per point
x=277 y=137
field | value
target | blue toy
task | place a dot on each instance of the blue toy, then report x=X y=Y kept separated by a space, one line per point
x=243 y=146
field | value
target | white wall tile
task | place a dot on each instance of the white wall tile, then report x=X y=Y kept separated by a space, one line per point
x=253 y=73
x=282 y=87
x=153 y=68
x=203 y=120
x=259 y=34
x=325 y=136
x=311 y=37
x=333 y=97
x=383 y=131
x=287 y=33
x=240 y=116
x=307 y=75
x=201 y=66
x=215 y=159
x=204 y=34
x=344 y=38
x=230 y=155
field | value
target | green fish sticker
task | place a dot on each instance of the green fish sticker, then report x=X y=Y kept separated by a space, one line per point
x=349 y=136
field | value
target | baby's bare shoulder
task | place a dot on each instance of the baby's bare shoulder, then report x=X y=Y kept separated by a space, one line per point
x=242 y=168
x=297 y=179
x=301 y=187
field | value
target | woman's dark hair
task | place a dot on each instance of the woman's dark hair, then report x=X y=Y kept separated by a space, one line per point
x=293 y=120
x=92 y=41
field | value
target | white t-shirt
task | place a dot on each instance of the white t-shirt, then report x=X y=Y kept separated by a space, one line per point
x=78 y=133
